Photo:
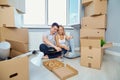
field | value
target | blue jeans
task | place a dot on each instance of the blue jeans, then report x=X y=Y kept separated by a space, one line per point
x=71 y=45
x=44 y=48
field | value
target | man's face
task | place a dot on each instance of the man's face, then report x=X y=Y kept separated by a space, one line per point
x=54 y=29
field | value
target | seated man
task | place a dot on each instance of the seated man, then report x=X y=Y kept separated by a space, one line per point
x=49 y=43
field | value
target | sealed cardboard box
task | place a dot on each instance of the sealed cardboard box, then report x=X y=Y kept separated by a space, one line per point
x=94 y=22
x=14 y=69
x=96 y=7
x=18 y=4
x=90 y=42
x=14 y=34
x=93 y=42
x=9 y=17
x=91 y=57
x=92 y=33
x=18 y=46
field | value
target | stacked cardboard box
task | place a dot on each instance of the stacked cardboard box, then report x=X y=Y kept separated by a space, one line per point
x=11 y=12
x=10 y=17
x=17 y=37
x=95 y=7
x=92 y=31
x=18 y=4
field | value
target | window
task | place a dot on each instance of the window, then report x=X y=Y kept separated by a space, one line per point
x=35 y=12
x=45 y=12
x=74 y=11
x=57 y=11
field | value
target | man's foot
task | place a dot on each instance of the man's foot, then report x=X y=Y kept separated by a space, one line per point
x=45 y=57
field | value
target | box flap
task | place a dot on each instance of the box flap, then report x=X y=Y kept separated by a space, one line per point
x=86 y=2
x=107 y=45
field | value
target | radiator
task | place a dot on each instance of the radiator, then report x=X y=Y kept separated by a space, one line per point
x=35 y=39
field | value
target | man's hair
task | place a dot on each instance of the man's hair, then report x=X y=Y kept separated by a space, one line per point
x=55 y=24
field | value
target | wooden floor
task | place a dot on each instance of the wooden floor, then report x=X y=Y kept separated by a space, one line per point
x=110 y=70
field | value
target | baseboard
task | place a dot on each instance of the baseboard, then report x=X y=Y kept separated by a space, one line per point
x=112 y=52
x=77 y=49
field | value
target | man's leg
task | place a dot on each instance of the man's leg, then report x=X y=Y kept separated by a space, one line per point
x=43 y=48
x=54 y=55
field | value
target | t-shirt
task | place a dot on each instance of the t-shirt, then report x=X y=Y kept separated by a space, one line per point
x=62 y=41
x=50 y=37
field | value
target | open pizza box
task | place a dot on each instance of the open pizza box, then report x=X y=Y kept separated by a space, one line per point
x=59 y=69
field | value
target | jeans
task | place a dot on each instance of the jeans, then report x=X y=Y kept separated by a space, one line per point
x=45 y=49
x=71 y=45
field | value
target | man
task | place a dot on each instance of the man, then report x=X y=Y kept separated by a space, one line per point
x=49 y=43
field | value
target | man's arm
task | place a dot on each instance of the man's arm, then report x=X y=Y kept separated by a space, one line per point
x=46 y=41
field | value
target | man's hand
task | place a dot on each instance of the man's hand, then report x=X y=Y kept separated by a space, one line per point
x=58 y=49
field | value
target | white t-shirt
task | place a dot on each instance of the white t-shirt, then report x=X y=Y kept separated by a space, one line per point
x=63 y=41
x=50 y=37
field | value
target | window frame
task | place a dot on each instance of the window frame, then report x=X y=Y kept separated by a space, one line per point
x=46 y=25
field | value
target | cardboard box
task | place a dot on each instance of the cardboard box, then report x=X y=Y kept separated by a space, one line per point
x=96 y=7
x=59 y=69
x=90 y=42
x=94 y=22
x=14 y=53
x=92 y=52
x=92 y=33
x=14 y=34
x=18 y=4
x=9 y=17
x=14 y=69
x=91 y=57
x=86 y=2
x=18 y=46
x=93 y=42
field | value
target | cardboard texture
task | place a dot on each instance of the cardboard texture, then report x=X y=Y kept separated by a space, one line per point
x=14 y=34
x=14 y=69
x=94 y=22
x=92 y=52
x=13 y=19
x=91 y=42
x=92 y=33
x=59 y=69
x=18 y=4
x=1 y=35
x=91 y=57
x=65 y=72
x=52 y=64
x=86 y=2
x=96 y=7
x=18 y=46
x=14 y=53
